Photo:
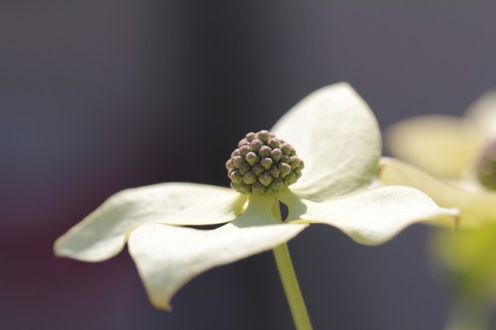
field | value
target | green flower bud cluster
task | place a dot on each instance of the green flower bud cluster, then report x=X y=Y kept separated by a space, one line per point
x=263 y=164
x=486 y=167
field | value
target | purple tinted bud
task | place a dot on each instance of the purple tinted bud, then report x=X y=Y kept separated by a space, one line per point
x=244 y=150
x=264 y=151
x=294 y=162
x=290 y=179
x=257 y=169
x=273 y=143
x=277 y=185
x=263 y=136
x=243 y=142
x=276 y=154
x=237 y=161
x=256 y=144
x=250 y=136
x=266 y=163
x=265 y=179
x=251 y=158
x=236 y=177
x=284 y=169
x=249 y=178
x=244 y=168
x=257 y=188
x=274 y=171
x=286 y=148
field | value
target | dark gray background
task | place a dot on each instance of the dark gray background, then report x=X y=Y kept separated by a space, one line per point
x=97 y=96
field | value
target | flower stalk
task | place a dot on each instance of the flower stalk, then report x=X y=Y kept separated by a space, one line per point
x=291 y=286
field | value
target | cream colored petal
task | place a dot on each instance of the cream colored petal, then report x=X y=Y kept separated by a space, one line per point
x=336 y=134
x=370 y=217
x=167 y=257
x=102 y=234
x=476 y=207
x=483 y=114
x=442 y=145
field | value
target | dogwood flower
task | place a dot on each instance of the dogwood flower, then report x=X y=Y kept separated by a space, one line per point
x=460 y=156
x=320 y=160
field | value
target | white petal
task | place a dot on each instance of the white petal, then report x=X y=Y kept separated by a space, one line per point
x=476 y=207
x=442 y=145
x=102 y=234
x=483 y=114
x=370 y=217
x=336 y=134
x=167 y=257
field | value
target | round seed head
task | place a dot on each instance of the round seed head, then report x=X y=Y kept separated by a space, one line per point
x=263 y=164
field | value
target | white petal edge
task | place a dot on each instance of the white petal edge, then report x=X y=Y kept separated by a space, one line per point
x=370 y=217
x=445 y=146
x=102 y=234
x=168 y=257
x=336 y=134
x=476 y=207
x=482 y=113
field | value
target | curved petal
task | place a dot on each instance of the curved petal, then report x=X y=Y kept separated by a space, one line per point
x=483 y=114
x=442 y=145
x=476 y=207
x=336 y=134
x=168 y=257
x=102 y=234
x=370 y=217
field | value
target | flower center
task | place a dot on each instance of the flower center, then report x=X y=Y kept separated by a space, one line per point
x=263 y=164
x=486 y=166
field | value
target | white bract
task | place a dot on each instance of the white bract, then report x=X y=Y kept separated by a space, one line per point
x=334 y=132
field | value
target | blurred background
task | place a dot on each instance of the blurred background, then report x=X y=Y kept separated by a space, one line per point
x=97 y=96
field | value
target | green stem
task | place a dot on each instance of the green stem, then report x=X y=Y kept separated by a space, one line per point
x=291 y=288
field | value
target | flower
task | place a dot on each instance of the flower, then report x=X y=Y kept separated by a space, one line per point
x=335 y=134
x=459 y=155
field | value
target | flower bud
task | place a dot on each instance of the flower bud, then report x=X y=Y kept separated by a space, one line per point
x=486 y=166
x=263 y=164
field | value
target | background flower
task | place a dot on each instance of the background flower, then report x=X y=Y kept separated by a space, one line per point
x=452 y=148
